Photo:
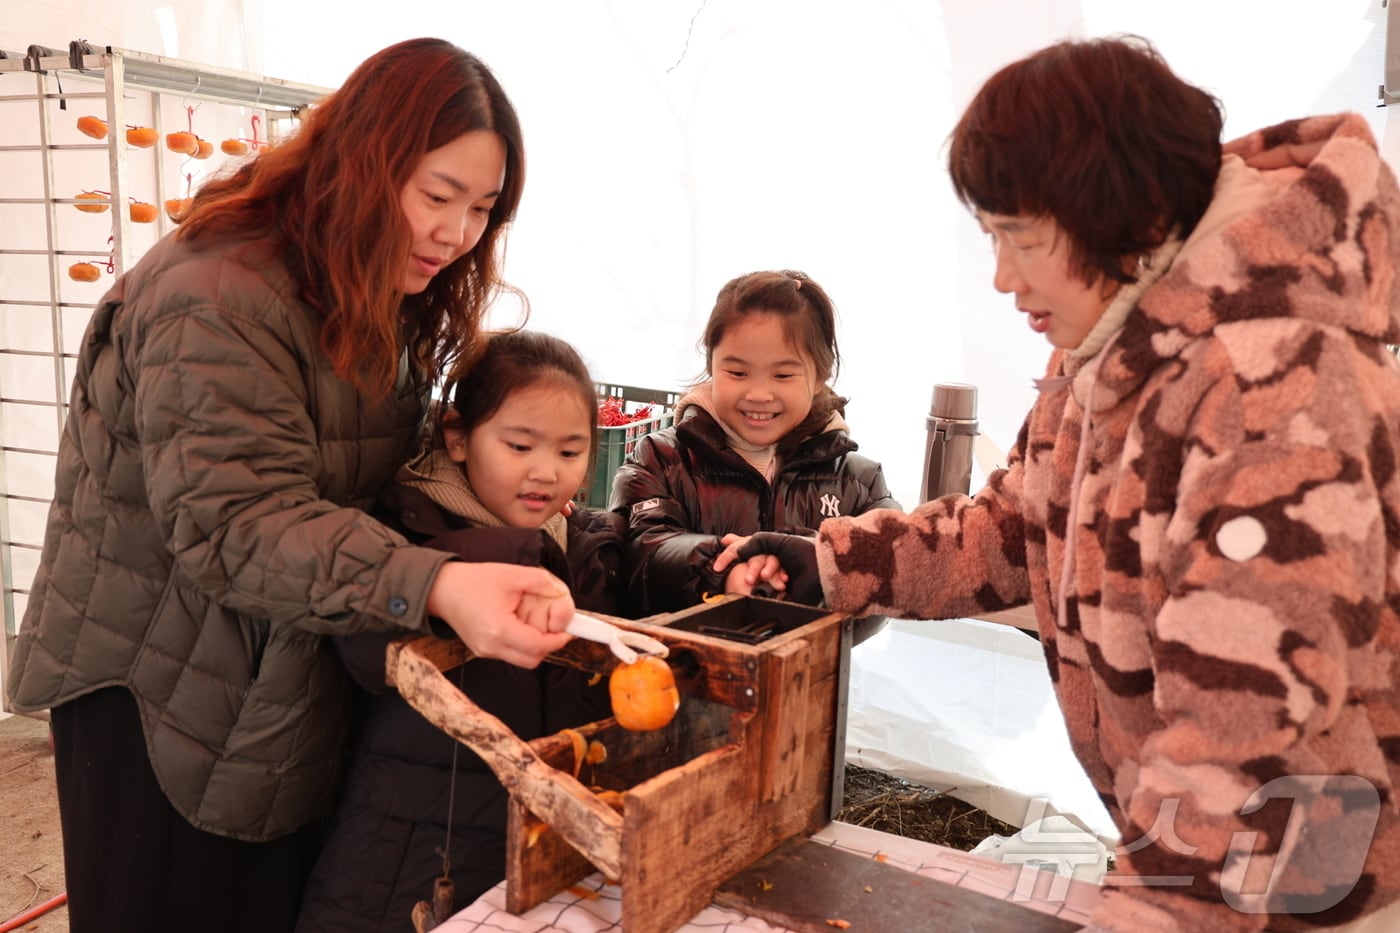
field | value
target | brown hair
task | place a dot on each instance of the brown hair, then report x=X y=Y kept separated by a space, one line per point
x=329 y=196
x=808 y=317
x=511 y=361
x=1099 y=135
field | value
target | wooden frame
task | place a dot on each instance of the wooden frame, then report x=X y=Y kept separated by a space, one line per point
x=747 y=763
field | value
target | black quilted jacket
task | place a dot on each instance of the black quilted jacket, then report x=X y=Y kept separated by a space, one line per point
x=682 y=489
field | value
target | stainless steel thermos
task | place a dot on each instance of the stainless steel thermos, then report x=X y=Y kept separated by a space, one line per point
x=952 y=430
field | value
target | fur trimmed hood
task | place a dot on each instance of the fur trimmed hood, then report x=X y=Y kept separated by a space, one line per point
x=1323 y=229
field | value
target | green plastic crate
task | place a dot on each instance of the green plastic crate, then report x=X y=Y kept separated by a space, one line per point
x=616 y=442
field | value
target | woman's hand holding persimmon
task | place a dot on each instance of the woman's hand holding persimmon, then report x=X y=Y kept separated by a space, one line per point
x=505 y=611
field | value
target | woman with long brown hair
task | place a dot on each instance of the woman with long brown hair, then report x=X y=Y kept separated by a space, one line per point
x=240 y=395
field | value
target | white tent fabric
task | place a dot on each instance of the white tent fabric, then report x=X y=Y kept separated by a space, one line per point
x=966 y=705
x=674 y=144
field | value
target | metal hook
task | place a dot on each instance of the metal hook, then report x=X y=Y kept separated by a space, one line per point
x=184 y=101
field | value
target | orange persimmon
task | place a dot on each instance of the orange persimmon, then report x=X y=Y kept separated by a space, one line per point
x=182 y=142
x=84 y=272
x=92 y=126
x=90 y=196
x=203 y=148
x=643 y=694
x=142 y=213
x=175 y=207
x=234 y=147
x=141 y=137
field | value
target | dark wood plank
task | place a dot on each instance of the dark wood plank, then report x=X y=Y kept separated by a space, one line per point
x=537 y=871
x=803 y=884
x=781 y=759
x=589 y=824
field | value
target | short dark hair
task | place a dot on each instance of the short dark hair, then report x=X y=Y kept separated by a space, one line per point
x=808 y=316
x=1100 y=136
x=806 y=310
x=514 y=360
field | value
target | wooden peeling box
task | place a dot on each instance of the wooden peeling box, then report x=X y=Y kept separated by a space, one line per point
x=750 y=760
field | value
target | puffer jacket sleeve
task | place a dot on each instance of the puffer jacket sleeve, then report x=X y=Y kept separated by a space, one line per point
x=230 y=450
x=364 y=654
x=596 y=538
x=666 y=566
x=871 y=477
x=913 y=566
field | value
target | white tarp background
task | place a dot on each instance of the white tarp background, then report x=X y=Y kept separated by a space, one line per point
x=967 y=706
x=673 y=144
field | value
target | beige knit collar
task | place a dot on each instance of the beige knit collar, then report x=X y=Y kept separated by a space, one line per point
x=440 y=478
x=1153 y=266
x=763 y=459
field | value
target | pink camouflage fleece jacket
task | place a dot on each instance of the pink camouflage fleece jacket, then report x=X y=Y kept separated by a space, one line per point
x=1221 y=627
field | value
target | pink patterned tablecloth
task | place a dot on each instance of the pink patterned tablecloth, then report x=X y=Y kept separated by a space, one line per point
x=600 y=908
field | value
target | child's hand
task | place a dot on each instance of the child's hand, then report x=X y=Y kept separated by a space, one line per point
x=797 y=553
x=730 y=555
x=761 y=569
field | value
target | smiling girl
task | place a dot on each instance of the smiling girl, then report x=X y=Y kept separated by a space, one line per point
x=762 y=445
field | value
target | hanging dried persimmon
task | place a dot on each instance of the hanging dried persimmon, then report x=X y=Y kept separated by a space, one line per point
x=100 y=199
x=182 y=142
x=141 y=212
x=141 y=137
x=93 y=126
x=175 y=208
x=84 y=272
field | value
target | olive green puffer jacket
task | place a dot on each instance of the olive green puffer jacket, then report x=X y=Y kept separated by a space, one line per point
x=206 y=531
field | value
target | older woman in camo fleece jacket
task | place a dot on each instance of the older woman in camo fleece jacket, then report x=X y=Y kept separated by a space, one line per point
x=1203 y=505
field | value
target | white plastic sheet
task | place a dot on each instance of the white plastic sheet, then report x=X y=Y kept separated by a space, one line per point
x=967 y=705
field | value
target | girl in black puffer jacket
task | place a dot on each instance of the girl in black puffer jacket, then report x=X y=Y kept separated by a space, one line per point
x=761 y=446
x=517 y=442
